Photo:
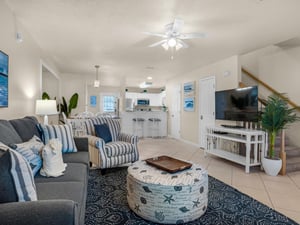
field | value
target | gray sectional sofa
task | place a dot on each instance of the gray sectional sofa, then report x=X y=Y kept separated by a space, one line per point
x=61 y=200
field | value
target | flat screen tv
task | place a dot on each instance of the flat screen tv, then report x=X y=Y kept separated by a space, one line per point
x=3 y=79
x=239 y=104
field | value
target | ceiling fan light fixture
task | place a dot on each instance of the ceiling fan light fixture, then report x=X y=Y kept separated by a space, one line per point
x=172 y=42
x=165 y=46
x=178 y=46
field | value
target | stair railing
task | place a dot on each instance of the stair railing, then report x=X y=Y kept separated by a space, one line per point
x=282 y=153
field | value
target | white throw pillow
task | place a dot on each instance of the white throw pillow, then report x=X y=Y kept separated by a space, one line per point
x=53 y=165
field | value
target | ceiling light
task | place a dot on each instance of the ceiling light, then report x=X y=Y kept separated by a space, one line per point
x=149 y=78
x=178 y=46
x=97 y=82
x=145 y=84
x=172 y=42
x=165 y=45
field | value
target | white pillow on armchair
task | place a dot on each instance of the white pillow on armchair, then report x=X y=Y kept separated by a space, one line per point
x=53 y=165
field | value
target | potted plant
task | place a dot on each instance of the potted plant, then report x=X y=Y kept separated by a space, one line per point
x=64 y=106
x=275 y=117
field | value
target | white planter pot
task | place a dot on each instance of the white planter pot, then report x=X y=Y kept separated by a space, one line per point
x=272 y=166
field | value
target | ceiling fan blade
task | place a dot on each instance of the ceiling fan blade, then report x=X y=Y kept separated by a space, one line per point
x=191 y=36
x=156 y=34
x=177 y=26
x=184 y=45
x=157 y=43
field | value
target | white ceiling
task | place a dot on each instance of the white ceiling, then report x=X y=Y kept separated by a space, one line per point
x=79 y=34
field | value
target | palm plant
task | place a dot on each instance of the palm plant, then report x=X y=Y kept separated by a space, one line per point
x=275 y=117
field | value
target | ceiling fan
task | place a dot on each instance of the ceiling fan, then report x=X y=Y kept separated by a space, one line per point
x=173 y=36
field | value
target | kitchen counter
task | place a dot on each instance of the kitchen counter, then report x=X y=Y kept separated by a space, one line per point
x=128 y=126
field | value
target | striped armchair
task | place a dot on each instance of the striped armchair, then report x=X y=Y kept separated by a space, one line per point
x=121 y=150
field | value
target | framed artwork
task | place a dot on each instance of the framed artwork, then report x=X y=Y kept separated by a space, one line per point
x=93 y=100
x=189 y=88
x=189 y=104
x=3 y=79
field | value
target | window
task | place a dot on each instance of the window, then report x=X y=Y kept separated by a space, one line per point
x=109 y=103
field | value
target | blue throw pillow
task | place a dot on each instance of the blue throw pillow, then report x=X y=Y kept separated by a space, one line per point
x=102 y=131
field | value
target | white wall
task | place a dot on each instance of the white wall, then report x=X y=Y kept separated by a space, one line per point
x=226 y=72
x=83 y=85
x=24 y=67
x=279 y=68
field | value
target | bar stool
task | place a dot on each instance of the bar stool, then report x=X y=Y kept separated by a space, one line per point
x=154 y=128
x=138 y=126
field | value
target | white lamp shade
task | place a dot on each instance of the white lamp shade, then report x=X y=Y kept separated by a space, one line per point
x=45 y=107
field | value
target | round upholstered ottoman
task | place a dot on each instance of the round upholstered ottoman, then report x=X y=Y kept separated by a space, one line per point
x=168 y=198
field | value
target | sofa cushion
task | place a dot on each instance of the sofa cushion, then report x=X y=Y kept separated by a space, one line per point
x=73 y=172
x=8 y=134
x=102 y=131
x=63 y=133
x=118 y=148
x=18 y=170
x=26 y=128
x=77 y=157
x=75 y=191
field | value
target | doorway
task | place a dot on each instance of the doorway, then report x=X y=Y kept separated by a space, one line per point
x=206 y=107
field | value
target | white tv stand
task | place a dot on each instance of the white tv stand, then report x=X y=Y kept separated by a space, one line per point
x=255 y=140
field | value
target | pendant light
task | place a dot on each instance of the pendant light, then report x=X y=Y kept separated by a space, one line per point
x=97 y=82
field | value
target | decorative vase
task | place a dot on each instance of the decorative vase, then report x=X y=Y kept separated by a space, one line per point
x=272 y=166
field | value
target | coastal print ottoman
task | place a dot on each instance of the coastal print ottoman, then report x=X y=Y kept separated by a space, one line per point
x=167 y=198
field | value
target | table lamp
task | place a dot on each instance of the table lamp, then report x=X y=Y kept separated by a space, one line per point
x=45 y=107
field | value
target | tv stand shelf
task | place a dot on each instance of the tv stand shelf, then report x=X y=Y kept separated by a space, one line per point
x=255 y=141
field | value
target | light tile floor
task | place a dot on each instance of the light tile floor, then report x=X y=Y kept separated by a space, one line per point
x=281 y=193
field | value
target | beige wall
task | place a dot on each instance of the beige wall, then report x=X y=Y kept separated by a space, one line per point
x=226 y=72
x=279 y=68
x=78 y=83
x=24 y=67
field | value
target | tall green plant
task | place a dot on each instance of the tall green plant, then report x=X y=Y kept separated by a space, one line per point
x=67 y=109
x=64 y=106
x=276 y=116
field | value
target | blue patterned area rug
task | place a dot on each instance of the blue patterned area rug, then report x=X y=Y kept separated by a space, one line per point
x=107 y=204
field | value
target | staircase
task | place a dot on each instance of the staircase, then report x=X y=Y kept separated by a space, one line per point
x=292 y=161
x=292 y=154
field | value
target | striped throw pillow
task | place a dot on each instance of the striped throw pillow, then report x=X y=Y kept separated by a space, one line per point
x=63 y=133
x=31 y=151
x=16 y=173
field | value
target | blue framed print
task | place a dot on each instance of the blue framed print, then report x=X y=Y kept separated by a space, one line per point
x=3 y=79
x=189 y=88
x=93 y=101
x=189 y=104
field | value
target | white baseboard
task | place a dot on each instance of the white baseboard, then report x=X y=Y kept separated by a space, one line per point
x=185 y=141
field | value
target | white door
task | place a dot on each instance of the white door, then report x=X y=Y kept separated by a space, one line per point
x=206 y=107
x=175 y=112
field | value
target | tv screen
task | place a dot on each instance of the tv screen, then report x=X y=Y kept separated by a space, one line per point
x=3 y=79
x=239 y=104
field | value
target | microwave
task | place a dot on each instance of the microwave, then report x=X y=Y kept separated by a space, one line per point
x=144 y=102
